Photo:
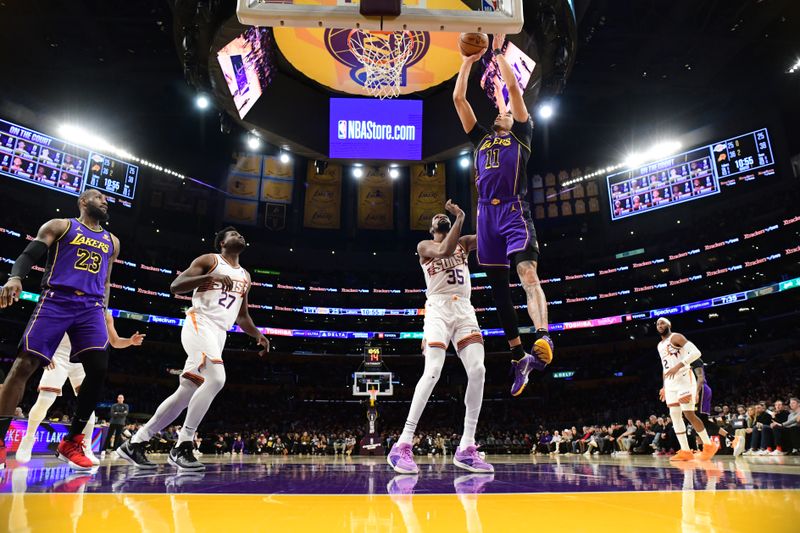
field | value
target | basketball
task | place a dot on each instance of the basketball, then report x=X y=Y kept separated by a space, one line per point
x=472 y=43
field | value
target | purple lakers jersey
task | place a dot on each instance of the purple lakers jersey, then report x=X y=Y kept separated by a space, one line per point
x=78 y=262
x=500 y=161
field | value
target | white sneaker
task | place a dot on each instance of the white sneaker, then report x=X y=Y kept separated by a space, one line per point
x=777 y=452
x=748 y=453
x=24 y=451
x=762 y=453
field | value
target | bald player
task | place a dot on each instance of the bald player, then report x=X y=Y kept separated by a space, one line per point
x=680 y=390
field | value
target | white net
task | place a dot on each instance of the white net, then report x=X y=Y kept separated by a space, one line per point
x=384 y=55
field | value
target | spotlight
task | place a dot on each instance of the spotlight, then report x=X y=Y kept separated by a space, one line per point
x=202 y=101
x=253 y=142
x=320 y=166
x=546 y=111
x=285 y=158
x=358 y=172
x=464 y=161
x=394 y=173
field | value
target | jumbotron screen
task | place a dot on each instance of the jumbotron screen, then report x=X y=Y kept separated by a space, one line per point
x=691 y=175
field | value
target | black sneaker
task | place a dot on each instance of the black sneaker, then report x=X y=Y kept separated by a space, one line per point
x=134 y=454
x=182 y=458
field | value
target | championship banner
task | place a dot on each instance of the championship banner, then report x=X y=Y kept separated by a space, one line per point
x=241 y=211
x=427 y=196
x=246 y=165
x=376 y=199
x=244 y=176
x=277 y=181
x=323 y=197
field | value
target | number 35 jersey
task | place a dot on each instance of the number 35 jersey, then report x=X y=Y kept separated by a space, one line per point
x=214 y=303
x=77 y=263
x=448 y=275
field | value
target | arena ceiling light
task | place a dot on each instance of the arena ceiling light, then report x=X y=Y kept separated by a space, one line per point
x=202 y=101
x=285 y=157
x=794 y=68
x=546 y=111
x=358 y=172
x=394 y=173
x=654 y=153
x=253 y=142
x=464 y=161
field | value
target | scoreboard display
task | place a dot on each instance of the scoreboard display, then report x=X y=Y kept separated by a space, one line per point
x=33 y=157
x=691 y=175
x=373 y=355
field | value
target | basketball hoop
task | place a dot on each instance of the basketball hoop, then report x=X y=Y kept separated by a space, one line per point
x=384 y=55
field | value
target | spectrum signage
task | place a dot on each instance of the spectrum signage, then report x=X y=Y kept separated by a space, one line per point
x=375 y=129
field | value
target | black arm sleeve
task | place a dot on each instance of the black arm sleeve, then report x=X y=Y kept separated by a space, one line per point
x=30 y=256
x=477 y=134
x=523 y=131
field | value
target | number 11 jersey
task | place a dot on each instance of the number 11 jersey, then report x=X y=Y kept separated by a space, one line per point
x=214 y=303
x=448 y=275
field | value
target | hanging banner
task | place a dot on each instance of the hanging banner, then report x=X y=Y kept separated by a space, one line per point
x=246 y=165
x=241 y=211
x=427 y=196
x=376 y=199
x=275 y=217
x=277 y=182
x=244 y=176
x=323 y=197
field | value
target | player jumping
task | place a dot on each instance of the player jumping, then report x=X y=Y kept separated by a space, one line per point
x=680 y=389
x=505 y=230
x=219 y=299
x=54 y=377
x=75 y=292
x=449 y=316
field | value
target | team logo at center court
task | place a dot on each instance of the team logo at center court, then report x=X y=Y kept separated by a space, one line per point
x=340 y=44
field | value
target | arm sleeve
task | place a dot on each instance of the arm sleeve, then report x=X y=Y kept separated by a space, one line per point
x=523 y=131
x=477 y=134
x=29 y=257
x=692 y=353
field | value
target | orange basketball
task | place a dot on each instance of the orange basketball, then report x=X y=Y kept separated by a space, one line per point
x=472 y=43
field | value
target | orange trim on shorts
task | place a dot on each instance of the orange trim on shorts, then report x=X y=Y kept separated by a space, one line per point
x=469 y=339
x=50 y=389
x=685 y=399
x=673 y=404
x=194 y=378
x=441 y=345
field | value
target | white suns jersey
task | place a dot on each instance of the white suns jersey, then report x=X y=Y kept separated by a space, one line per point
x=670 y=354
x=212 y=302
x=448 y=275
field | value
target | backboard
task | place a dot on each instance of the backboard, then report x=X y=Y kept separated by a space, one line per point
x=363 y=382
x=484 y=16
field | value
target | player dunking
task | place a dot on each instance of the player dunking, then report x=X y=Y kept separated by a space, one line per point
x=449 y=316
x=219 y=299
x=75 y=291
x=54 y=377
x=505 y=230
x=680 y=389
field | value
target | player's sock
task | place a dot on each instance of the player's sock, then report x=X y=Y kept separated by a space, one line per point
x=214 y=375
x=682 y=440
x=704 y=436
x=88 y=429
x=434 y=360
x=679 y=426
x=542 y=332
x=518 y=352
x=167 y=412
x=472 y=357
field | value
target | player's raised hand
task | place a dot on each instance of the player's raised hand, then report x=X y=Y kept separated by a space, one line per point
x=225 y=281
x=263 y=341
x=453 y=209
x=498 y=40
x=10 y=292
x=473 y=58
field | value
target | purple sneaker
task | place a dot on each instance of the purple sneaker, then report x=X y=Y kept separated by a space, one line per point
x=543 y=350
x=401 y=459
x=402 y=485
x=469 y=459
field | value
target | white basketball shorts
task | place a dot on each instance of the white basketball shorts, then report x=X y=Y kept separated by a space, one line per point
x=450 y=318
x=203 y=342
x=681 y=390
x=53 y=379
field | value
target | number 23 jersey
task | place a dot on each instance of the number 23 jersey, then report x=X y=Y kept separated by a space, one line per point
x=448 y=275
x=212 y=302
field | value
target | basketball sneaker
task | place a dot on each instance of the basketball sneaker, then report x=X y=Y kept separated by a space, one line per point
x=71 y=452
x=401 y=459
x=682 y=455
x=543 y=349
x=709 y=451
x=182 y=457
x=24 y=450
x=134 y=454
x=738 y=446
x=470 y=459
x=521 y=368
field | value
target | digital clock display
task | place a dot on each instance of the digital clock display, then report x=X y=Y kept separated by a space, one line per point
x=372 y=354
x=36 y=158
x=691 y=175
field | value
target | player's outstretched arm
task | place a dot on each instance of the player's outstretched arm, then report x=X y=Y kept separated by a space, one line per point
x=464 y=110
x=107 y=290
x=436 y=250
x=246 y=323
x=469 y=242
x=516 y=102
x=50 y=232
x=122 y=342
x=199 y=272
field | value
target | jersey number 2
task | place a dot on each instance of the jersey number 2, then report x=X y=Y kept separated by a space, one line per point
x=455 y=276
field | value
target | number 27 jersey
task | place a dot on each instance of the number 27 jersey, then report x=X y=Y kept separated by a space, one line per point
x=214 y=303
x=448 y=275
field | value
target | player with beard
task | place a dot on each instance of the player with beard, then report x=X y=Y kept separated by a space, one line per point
x=449 y=316
x=75 y=292
x=219 y=299
x=506 y=235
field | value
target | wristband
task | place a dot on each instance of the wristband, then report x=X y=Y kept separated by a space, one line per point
x=497 y=51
